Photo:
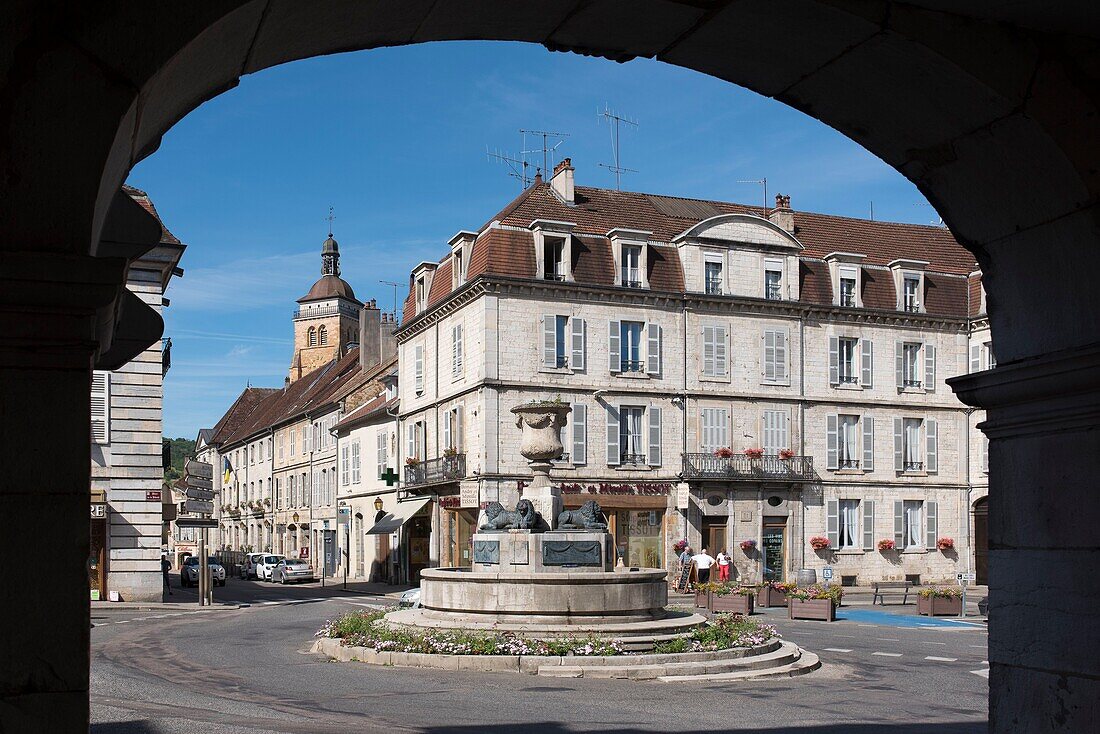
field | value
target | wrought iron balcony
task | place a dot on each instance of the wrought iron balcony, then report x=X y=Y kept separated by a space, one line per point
x=848 y=379
x=632 y=459
x=436 y=471
x=847 y=464
x=913 y=466
x=632 y=365
x=739 y=466
x=912 y=383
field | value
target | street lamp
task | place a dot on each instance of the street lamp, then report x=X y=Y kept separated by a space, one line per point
x=378 y=504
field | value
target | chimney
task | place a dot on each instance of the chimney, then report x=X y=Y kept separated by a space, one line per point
x=388 y=338
x=370 y=319
x=782 y=216
x=562 y=181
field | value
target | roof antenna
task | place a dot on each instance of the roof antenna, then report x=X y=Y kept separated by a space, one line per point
x=395 y=287
x=613 y=122
x=872 y=210
x=763 y=182
x=330 y=218
x=517 y=166
x=546 y=147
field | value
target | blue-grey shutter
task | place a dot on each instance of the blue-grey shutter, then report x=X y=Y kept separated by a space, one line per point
x=549 y=341
x=580 y=434
x=975 y=357
x=708 y=351
x=866 y=349
x=899 y=524
x=576 y=352
x=899 y=363
x=832 y=523
x=653 y=361
x=868 y=443
x=613 y=457
x=831 y=442
x=931 y=522
x=834 y=360
x=868 y=524
x=932 y=443
x=654 y=455
x=614 y=357
x=899 y=445
x=929 y=368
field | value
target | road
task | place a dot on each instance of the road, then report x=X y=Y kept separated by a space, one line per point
x=248 y=670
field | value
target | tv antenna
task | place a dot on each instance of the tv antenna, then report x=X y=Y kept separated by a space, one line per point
x=517 y=166
x=939 y=222
x=613 y=121
x=547 y=150
x=763 y=182
x=395 y=287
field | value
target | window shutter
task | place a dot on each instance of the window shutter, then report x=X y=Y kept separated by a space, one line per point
x=899 y=524
x=899 y=445
x=975 y=357
x=866 y=350
x=931 y=524
x=410 y=444
x=614 y=357
x=447 y=431
x=708 y=351
x=101 y=406
x=868 y=524
x=355 y=467
x=868 y=443
x=418 y=368
x=580 y=434
x=460 y=427
x=654 y=455
x=931 y=451
x=899 y=363
x=831 y=442
x=832 y=523
x=576 y=352
x=781 y=356
x=380 y=453
x=834 y=360
x=653 y=362
x=345 y=465
x=722 y=351
x=769 y=355
x=457 y=349
x=721 y=426
x=612 y=436
x=985 y=454
x=707 y=418
x=929 y=368
x=549 y=341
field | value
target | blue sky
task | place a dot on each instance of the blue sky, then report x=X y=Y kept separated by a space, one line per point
x=395 y=141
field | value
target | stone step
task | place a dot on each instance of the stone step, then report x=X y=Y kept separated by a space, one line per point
x=807 y=662
x=783 y=655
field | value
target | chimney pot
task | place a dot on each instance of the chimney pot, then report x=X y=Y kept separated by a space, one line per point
x=562 y=181
x=782 y=215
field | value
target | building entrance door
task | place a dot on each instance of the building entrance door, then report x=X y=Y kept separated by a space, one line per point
x=714 y=534
x=775 y=550
x=981 y=541
x=97 y=556
x=464 y=523
x=419 y=540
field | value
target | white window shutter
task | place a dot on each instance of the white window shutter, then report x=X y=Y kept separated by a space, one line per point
x=614 y=355
x=899 y=524
x=781 y=356
x=866 y=350
x=929 y=368
x=653 y=361
x=831 y=461
x=932 y=442
x=457 y=351
x=410 y=442
x=418 y=368
x=447 y=431
x=613 y=456
x=868 y=443
x=579 y=453
x=576 y=352
x=899 y=363
x=707 y=422
x=769 y=355
x=899 y=445
x=975 y=357
x=345 y=465
x=708 y=351
x=355 y=466
x=654 y=455
x=721 y=424
x=460 y=428
x=722 y=351
x=101 y=406
x=868 y=524
x=931 y=524
x=985 y=453
x=832 y=523
x=834 y=360
x=549 y=341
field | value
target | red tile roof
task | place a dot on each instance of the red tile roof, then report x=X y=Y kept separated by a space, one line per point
x=146 y=203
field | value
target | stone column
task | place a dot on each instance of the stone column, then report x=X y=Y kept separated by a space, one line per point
x=1044 y=512
x=541 y=423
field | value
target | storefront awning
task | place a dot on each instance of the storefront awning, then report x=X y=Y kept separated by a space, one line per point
x=393 y=521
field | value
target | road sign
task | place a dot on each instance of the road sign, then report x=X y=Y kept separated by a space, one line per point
x=966 y=577
x=199 y=494
x=199 y=483
x=196 y=522
x=199 y=507
x=198 y=469
x=827 y=573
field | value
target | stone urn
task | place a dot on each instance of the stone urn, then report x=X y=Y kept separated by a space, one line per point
x=540 y=443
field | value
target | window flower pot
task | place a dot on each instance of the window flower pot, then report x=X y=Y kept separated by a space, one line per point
x=819 y=609
x=769 y=597
x=735 y=603
x=702 y=598
x=939 y=606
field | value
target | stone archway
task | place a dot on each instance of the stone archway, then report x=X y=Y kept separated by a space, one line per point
x=992 y=112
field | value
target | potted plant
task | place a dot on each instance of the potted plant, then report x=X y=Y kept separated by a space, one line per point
x=412 y=461
x=786 y=454
x=267 y=501
x=702 y=594
x=815 y=602
x=723 y=453
x=945 y=544
x=680 y=545
x=774 y=593
x=939 y=601
x=820 y=543
x=748 y=545
x=886 y=545
x=726 y=597
x=450 y=452
x=754 y=453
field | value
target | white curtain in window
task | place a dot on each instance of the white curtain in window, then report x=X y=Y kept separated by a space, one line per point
x=912 y=441
x=912 y=523
x=848 y=446
x=849 y=523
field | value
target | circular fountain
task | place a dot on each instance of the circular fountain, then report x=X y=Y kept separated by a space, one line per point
x=539 y=570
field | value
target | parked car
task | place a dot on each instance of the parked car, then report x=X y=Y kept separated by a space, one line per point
x=292 y=569
x=189 y=571
x=248 y=568
x=266 y=565
x=410 y=598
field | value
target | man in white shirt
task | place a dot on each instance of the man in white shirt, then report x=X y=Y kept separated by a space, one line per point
x=703 y=561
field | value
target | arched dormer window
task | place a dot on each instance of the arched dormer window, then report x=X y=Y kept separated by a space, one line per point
x=312 y=337
x=323 y=334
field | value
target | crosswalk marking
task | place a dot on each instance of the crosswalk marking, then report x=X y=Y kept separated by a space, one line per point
x=836 y=649
x=941 y=660
x=888 y=654
x=983 y=673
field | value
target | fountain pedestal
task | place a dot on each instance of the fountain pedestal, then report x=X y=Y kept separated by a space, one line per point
x=552 y=551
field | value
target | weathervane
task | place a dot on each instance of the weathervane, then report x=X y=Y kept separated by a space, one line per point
x=330 y=218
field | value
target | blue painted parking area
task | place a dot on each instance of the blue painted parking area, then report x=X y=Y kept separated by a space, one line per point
x=891 y=619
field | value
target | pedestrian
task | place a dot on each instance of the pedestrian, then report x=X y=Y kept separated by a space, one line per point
x=723 y=565
x=165 y=567
x=685 y=557
x=703 y=561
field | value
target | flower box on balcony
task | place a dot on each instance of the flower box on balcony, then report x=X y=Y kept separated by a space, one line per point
x=939 y=602
x=819 y=609
x=769 y=596
x=735 y=602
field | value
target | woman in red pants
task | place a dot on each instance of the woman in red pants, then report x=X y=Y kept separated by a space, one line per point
x=723 y=566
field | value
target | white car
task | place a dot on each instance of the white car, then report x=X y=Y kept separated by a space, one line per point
x=189 y=571
x=410 y=598
x=248 y=568
x=266 y=565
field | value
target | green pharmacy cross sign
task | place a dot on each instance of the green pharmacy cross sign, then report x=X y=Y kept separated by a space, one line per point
x=390 y=476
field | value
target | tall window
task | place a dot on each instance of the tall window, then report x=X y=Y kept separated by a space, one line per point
x=847 y=363
x=775 y=431
x=914 y=457
x=773 y=280
x=382 y=452
x=911 y=293
x=848 y=442
x=322 y=334
x=553 y=263
x=847 y=291
x=912 y=365
x=632 y=350
x=631 y=274
x=849 y=524
x=712 y=274
x=912 y=526
x=312 y=337
x=715 y=429
x=631 y=438
x=345 y=464
x=421 y=294
x=457 y=349
x=561 y=359
x=990 y=359
x=715 y=363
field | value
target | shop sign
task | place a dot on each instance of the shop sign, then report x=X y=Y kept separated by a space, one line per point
x=683 y=497
x=639 y=488
x=450 y=502
x=99 y=511
x=469 y=496
x=153 y=495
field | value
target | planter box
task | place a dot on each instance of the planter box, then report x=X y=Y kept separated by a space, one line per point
x=735 y=603
x=702 y=598
x=933 y=606
x=822 y=609
x=769 y=597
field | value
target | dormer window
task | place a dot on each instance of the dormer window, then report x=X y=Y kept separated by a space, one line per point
x=849 y=284
x=421 y=293
x=460 y=256
x=911 y=293
x=629 y=247
x=845 y=269
x=553 y=258
x=458 y=268
x=712 y=277
x=773 y=280
x=909 y=284
x=630 y=268
x=553 y=249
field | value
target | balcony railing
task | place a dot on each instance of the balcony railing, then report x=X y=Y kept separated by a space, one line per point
x=308 y=313
x=436 y=471
x=739 y=466
x=912 y=383
x=848 y=379
x=913 y=466
x=632 y=365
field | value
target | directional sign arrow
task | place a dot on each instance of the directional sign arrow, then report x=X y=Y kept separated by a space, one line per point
x=199 y=507
x=198 y=469
x=199 y=494
x=199 y=483
x=196 y=522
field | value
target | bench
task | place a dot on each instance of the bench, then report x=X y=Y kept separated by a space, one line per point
x=891 y=587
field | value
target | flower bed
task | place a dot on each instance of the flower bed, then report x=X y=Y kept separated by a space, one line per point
x=774 y=594
x=724 y=631
x=939 y=601
x=815 y=602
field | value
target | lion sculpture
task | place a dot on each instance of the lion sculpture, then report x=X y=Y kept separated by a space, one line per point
x=588 y=517
x=524 y=517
